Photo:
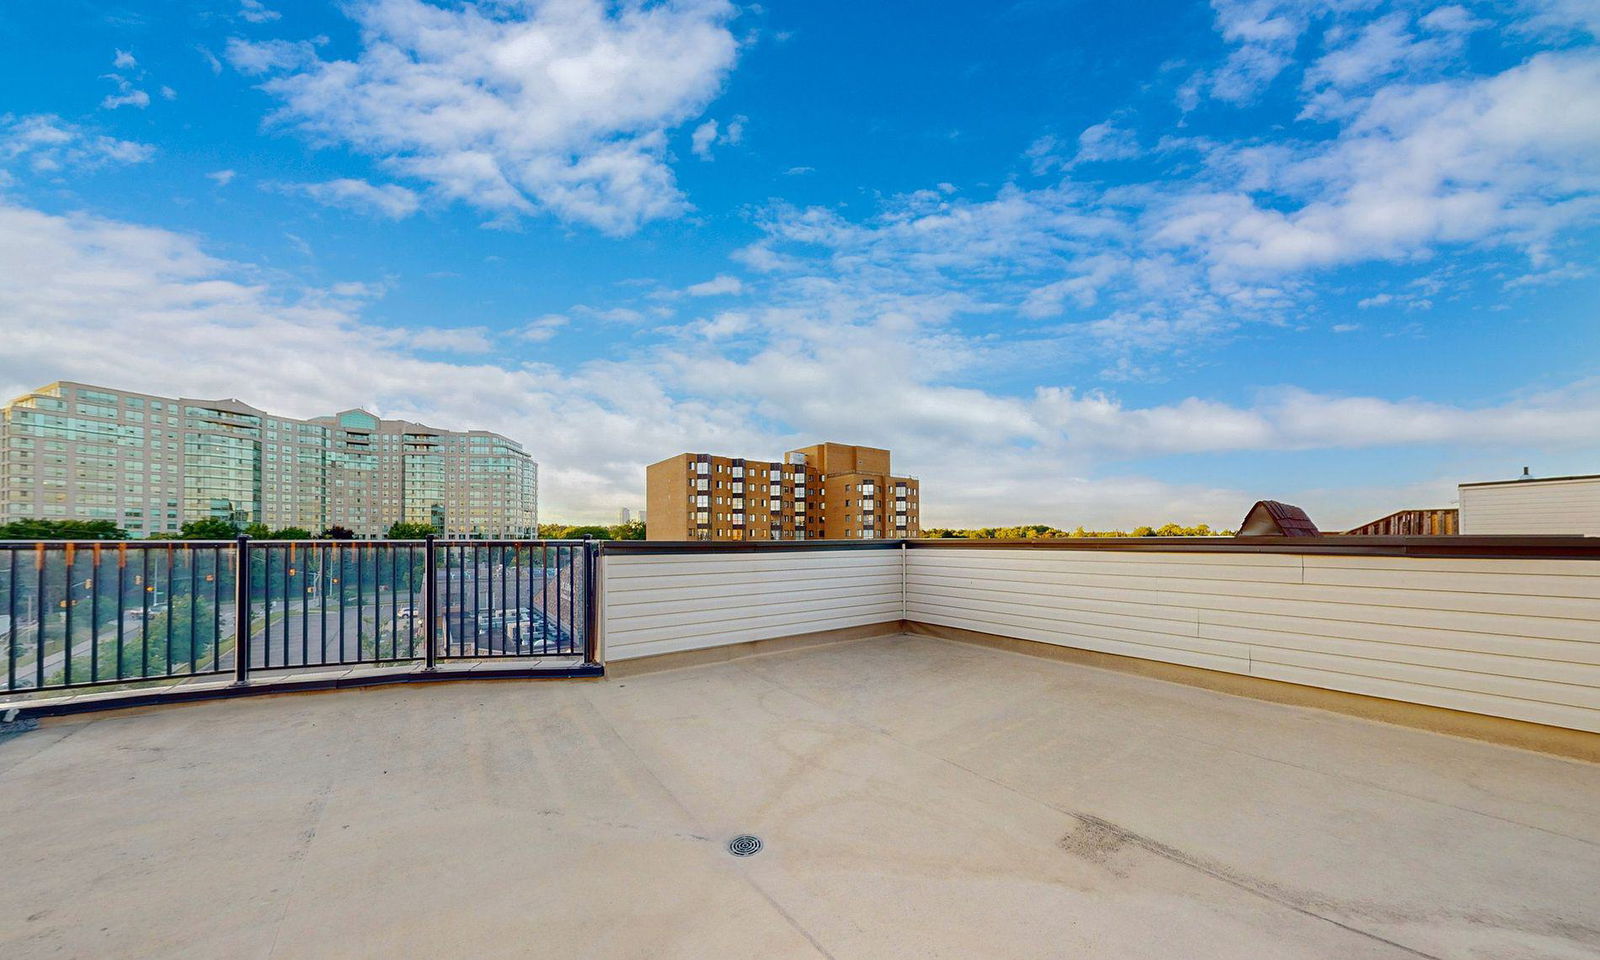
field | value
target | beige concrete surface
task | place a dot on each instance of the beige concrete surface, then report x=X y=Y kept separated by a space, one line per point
x=918 y=797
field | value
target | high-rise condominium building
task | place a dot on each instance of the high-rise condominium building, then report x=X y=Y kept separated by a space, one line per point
x=827 y=491
x=149 y=464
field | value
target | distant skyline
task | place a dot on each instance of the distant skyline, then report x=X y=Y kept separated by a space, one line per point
x=1076 y=264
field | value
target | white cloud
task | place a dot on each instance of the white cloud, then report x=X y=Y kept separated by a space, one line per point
x=710 y=134
x=386 y=200
x=1512 y=158
x=124 y=60
x=254 y=11
x=210 y=59
x=221 y=177
x=451 y=339
x=515 y=107
x=1106 y=141
x=47 y=144
x=126 y=96
x=721 y=285
x=256 y=57
x=104 y=301
x=544 y=328
x=702 y=139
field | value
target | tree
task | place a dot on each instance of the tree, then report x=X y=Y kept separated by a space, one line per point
x=62 y=530
x=632 y=530
x=400 y=530
x=258 y=531
x=337 y=532
x=292 y=533
x=210 y=528
x=578 y=533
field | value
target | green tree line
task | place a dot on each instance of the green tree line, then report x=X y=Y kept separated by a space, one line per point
x=1042 y=531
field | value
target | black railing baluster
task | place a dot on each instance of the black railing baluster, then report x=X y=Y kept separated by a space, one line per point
x=194 y=610
x=69 y=562
x=241 y=610
x=266 y=598
x=305 y=606
x=94 y=613
x=288 y=574
x=11 y=622
x=343 y=575
x=361 y=605
x=393 y=550
x=591 y=600
x=145 y=589
x=39 y=602
x=216 y=609
x=122 y=602
x=166 y=657
x=322 y=602
x=430 y=603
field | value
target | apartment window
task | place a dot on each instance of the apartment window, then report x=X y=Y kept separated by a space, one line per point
x=702 y=467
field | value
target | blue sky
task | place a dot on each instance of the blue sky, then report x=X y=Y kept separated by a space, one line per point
x=1088 y=263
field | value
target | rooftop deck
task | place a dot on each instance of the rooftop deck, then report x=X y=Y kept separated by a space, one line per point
x=918 y=798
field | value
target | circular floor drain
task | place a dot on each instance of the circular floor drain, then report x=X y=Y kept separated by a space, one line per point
x=744 y=845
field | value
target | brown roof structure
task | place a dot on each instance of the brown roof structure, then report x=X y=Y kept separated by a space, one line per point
x=1269 y=518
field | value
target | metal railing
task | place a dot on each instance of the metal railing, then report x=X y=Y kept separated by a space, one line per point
x=79 y=614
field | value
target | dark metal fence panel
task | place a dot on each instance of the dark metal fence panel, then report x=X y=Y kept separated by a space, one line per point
x=510 y=598
x=87 y=614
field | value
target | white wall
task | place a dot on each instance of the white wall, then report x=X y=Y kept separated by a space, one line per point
x=1570 y=507
x=661 y=603
x=1508 y=638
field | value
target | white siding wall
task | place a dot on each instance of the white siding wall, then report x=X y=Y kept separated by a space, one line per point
x=1509 y=638
x=1570 y=507
x=665 y=603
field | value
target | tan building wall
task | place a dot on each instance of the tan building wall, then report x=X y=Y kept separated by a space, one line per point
x=695 y=496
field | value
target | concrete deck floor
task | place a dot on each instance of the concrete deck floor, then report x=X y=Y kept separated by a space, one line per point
x=918 y=798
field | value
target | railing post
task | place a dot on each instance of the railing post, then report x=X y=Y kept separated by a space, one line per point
x=430 y=604
x=241 y=611
x=591 y=600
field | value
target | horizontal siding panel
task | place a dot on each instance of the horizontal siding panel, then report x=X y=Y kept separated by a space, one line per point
x=781 y=605
x=1449 y=581
x=1574 y=684
x=1516 y=605
x=1178 y=566
x=1084 y=641
x=1511 y=638
x=1375 y=629
x=725 y=596
x=1351 y=614
x=1575 y=718
x=722 y=632
x=671 y=566
x=678 y=642
x=670 y=603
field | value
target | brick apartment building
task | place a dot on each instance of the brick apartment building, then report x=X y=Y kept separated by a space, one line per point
x=827 y=491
